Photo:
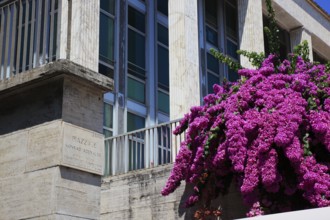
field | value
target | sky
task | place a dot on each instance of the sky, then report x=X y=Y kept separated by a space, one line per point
x=325 y=4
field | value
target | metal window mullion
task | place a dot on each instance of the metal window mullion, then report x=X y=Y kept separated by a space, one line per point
x=162 y=145
x=32 y=35
x=153 y=145
x=58 y=37
x=126 y=154
x=147 y=148
x=143 y=149
x=1 y=40
x=166 y=144
x=172 y=145
x=44 y=43
x=52 y=16
x=26 y=28
x=6 y=55
x=20 y=25
x=113 y=157
x=107 y=13
x=12 y=53
x=106 y=171
x=139 y=154
x=36 y=61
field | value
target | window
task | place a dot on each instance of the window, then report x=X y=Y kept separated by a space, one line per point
x=231 y=16
x=162 y=6
x=136 y=141
x=136 y=55
x=163 y=69
x=106 y=41
x=28 y=35
x=134 y=122
x=221 y=31
x=318 y=58
x=284 y=40
x=212 y=72
x=107 y=120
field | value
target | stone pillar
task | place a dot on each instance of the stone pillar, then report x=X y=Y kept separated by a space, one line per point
x=184 y=57
x=79 y=32
x=250 y=25
x=299 y=35
x=51 y=143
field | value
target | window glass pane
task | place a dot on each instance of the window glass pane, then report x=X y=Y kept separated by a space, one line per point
x=162 y=34
x=136 y=19
x=107 y=71
x=106 y=38
x=163 y=67
x=107 y=133
x=107 y=115
x=211 y=36
x=232 y=75
x=212 y=63
x=211 y=80
x=163 y=102
x=231 y=49
x=231 y=21
x=162 y=6
x=318 y=58
x=108 y=5
x=135 y=90
x=134 y=122
x=211 y=12
x=136 y=49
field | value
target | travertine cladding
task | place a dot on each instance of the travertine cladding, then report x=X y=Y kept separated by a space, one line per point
x=82 y=105
x=51 y=144
x=59 y=90
x=299 y=35
x=250 y=28
x=136 y=195
x=299 y=13
x=84 y=39
x=52 y=193
x=46 y=172
x=79 y=32
x=184 y=57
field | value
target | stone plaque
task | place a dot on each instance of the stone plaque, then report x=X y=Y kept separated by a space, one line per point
x=82 y=149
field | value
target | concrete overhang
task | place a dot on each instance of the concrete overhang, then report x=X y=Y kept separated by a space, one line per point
x=294 y=14
x=54 y=70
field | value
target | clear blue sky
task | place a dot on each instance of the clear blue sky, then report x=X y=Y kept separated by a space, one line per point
x=325 y=4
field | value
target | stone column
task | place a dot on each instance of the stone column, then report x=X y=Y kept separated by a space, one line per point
x=51 y=143
x=299 y=35
x=250 y=25
x=184 y=57
x=79 y=32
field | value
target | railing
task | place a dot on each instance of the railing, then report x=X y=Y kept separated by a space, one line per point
x=29 y=35
x=144 y=148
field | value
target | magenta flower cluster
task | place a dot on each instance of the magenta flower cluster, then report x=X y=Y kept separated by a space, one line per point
x=270 y=133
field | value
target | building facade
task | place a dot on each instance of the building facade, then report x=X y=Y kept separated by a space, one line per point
x=132 y=41
x=157 y=52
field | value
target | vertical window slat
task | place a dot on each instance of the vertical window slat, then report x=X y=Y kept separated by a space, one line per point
x=32 y=34
x=14 y=42
x=52 y=13
x=3 y=17
x=59 y=12
x=26 y=28
x=7 y=42
x=45 y=23
x=38 y=31
x=19 y=38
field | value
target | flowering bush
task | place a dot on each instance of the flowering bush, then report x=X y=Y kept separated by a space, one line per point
x=269 y=132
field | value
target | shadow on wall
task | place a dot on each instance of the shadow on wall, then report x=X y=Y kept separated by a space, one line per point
x=231 y=204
